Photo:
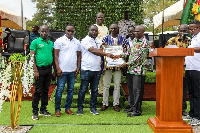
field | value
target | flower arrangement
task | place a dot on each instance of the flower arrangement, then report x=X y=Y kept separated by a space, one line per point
x=7 y=72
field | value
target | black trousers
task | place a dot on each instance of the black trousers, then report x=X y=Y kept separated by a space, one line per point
x=185 y=89
x=135 y=85
x=193 y=85
x=42 y=88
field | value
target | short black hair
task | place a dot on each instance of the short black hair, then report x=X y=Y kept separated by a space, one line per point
x=197 y=22
x=98 y=13
x=36 y=26
x=69 y=25
x=131 y=26
x=92 y=25
x=115 y=23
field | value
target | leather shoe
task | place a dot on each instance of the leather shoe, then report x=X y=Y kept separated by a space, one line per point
x=57 y=113
x=100 y=94
x=68 y=111
x=116 y=108
x=133 y=114
x=103 y=108
x=128 y=110
x=127 y=107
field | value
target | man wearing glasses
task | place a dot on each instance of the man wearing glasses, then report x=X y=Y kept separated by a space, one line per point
x=192 y=75
x=67 y=57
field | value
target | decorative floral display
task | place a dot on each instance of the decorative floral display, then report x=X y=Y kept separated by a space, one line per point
x=5 y=77
x=27 y=79
x=6 y=74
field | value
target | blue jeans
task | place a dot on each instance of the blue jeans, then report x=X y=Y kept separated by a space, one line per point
x=93 y=78
x=70 y=79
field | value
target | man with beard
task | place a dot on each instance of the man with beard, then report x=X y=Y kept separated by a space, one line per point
x=90 y=69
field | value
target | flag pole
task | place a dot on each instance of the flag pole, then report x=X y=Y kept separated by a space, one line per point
x=22 y=14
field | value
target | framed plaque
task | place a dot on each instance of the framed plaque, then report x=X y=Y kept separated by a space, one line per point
x=115 y=50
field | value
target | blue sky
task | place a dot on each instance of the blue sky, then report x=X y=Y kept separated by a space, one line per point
x=29 y=8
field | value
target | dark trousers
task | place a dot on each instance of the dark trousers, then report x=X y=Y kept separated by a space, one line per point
x=184 y=94
x=42 y=88
x=135 y=85
x=142 y=90
x=193 y=83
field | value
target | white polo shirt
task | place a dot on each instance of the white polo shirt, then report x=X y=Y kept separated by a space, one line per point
x=90 y=61
x=193 y=62
x=67 y=58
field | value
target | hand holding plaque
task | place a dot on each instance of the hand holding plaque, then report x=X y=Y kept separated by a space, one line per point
x=115 y=62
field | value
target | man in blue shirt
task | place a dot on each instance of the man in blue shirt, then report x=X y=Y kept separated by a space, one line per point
x=35 y=34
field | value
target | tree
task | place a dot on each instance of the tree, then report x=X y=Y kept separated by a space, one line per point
x=44 y=14
x=153 y=7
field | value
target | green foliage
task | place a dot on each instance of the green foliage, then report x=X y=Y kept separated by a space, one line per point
x=43 y=15
x=18 y=57
x=82 y=13
x=150 y=77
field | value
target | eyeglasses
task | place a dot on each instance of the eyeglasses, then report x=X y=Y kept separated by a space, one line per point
x=70 y=31
x=193 y=29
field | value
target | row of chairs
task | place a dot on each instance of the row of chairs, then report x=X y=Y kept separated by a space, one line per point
x=19 y=42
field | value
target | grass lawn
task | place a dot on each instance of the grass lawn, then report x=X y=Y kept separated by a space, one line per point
x=108 y=121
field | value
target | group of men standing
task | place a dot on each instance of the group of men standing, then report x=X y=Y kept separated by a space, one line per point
x=69 y=56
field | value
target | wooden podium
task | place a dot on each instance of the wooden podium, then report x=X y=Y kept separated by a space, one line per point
x=169 y=90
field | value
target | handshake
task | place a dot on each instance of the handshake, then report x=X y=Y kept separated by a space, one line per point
x=113 y=56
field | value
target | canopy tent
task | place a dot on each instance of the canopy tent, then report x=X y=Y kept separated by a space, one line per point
x=172 y=15
x=11 y=19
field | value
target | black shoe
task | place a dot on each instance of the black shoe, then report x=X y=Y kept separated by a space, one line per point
x=35 y=116
x=127 y=107
x=128 y=110
x=133 y=114
x=45 y=113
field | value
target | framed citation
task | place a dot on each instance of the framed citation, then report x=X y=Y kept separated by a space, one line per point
x=115 y=50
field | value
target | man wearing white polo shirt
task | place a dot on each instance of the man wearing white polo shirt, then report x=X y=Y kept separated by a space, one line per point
x=90 y=69
x=67 y=56
x=192 y=75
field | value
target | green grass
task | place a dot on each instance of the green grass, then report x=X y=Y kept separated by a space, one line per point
x=91 y=129
x=108 y=121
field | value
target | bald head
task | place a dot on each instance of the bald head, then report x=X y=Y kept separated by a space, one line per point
x=183 y=28
x=139 y=31
x=44 y=31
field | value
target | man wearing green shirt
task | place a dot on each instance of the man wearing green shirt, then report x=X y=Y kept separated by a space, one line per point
x=42 y=51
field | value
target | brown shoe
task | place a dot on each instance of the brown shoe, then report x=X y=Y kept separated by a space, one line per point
x=116 y=108
x=103 y=108
x=68 y=111
x=57 y=113
x=100 y=94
